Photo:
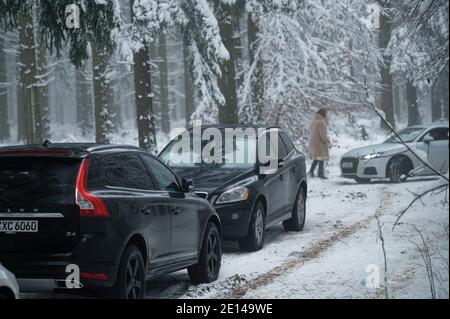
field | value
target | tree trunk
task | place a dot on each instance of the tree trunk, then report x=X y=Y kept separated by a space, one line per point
x=228 y=113
x=258 y=81
x=144 y=96
x=440 y=97
x=27 y=73
x=42 y=107
x=413 y=108
x=84 y=103
x=4 y=119
x=387 y=96
x=188 y=88
x=164 y=84
x=103 y=125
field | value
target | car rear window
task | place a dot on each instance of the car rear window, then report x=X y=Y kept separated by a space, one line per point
x=32 y=180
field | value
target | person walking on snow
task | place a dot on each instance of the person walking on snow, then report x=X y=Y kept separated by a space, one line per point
x=319 y=143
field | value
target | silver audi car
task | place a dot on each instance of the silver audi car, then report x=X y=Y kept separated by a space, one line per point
x=394 y=161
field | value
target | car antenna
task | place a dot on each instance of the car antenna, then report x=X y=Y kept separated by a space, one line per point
x=47 y=143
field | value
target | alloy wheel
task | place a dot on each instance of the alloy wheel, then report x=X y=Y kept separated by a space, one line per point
x=133 y=278
x=301 y=208
x=213 y=254
x=259 y=226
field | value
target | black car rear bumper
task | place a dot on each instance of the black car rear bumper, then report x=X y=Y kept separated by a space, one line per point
x=53 y=267
x=95 y=255
x=235 y=218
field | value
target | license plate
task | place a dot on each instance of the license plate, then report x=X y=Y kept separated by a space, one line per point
x=347 y=165
x=19 y=226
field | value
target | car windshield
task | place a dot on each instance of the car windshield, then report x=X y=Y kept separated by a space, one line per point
x=240 y=153
x=408 y=135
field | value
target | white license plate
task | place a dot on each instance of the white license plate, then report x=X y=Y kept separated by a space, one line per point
x=19 y=226
x=347 y=165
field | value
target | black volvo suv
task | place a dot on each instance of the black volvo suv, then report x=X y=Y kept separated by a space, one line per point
x=115 y=212
x=247 y=201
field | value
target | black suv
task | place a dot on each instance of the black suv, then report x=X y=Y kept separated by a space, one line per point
x=247 y=201
x=116 y=212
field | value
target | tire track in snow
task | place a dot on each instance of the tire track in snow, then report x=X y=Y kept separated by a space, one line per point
x=313 y=252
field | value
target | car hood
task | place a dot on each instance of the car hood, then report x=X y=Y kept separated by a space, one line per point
x=385 y=148
x=210 y=179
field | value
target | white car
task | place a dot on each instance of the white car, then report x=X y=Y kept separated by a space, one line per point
x=9 y=289
x=393 y=160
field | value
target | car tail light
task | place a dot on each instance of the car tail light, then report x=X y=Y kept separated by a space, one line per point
x=94 y=276
x=90 y=205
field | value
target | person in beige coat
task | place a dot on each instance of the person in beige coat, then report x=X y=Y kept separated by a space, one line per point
x=319 y=143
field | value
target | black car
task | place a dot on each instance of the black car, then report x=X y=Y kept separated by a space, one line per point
x=115 y=212
x=247 y=201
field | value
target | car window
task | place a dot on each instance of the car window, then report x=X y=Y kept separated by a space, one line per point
x=165 y=179
x=36 y=180
x=287 y=142
x=126 y=170
x=114 y=173
x=137 y=175
x=408 y=135
x=282 y=151
x=439 y=134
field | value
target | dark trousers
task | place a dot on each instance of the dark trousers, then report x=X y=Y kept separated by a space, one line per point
x=321 y=167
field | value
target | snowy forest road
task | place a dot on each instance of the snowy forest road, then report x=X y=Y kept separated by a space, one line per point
x=328 y=259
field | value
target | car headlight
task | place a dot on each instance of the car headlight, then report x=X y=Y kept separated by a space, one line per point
x=372 y=156
x=236 y=194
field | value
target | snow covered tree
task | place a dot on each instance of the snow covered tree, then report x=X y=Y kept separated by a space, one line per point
x=419 y=49
x=425 y=24
x=206 y=54
x=306 y=61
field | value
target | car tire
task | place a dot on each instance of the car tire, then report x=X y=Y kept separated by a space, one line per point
x=254 y=241
x=208 y=268
x=6 y=294
x=362 y=180
x=131 y=276
x=394 y=169
x=297 y=221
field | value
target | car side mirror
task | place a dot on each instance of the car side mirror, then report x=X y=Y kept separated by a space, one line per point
x=428 y=139
x=188 y=185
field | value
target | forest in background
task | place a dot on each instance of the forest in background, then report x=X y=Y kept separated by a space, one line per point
x=133 y=70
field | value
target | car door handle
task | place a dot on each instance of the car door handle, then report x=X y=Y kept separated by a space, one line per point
x=282 y=177
x=176 y=211
x=146 y=211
